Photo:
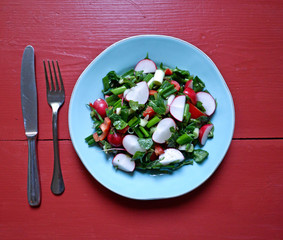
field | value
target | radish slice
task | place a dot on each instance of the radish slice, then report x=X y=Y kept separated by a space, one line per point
x=177 y=107
x=126 y=92
x=131 y=144
x=138 y=93
x=146 y=65
x=169 y=101
x=207 y=101
x=203 y=133
x=171 y=155
x=162 y=132
x=124 y=162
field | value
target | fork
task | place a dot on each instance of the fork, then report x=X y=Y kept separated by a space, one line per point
x=55 y=98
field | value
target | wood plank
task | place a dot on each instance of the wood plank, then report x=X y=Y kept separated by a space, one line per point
x=243 y=38
x=242 y=200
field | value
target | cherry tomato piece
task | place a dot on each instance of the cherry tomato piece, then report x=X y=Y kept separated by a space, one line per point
x=153 y=157
x=195 y=112
x=191 y=94
x=105 y=127
x=124 y=130
x=168 y=72
x=149 y=111
x=158 y=149
x=152 y=92
x=115 y=139
x=100 y=106
x=176 y=85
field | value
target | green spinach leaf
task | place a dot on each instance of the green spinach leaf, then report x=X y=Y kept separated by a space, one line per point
x=145 y=143
x=120 y=124
x=138 y=156
x=199 y=155
x=110 y=80
x=134 y=105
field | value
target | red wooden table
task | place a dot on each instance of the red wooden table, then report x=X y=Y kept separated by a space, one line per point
x=242 y=200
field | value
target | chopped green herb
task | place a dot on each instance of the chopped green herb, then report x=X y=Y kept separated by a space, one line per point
x=111 y=100
x=128 y=73
x=133 y=122
x=199 y=106
x=110 y=80
x=134 y=105
x=118 y=90
x=198 y=85
x=153 y=121
x=158 y=105
x=211 y=133
x=180 y=75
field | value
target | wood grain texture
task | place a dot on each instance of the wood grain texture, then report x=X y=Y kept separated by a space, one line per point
x=242 y=200
x=243 y=38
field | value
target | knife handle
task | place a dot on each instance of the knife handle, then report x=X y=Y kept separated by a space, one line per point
x=33 y=176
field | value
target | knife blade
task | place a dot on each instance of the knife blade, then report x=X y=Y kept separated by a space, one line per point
x=29 y=109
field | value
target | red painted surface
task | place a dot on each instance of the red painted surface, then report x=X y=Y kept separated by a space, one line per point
x=242 y=200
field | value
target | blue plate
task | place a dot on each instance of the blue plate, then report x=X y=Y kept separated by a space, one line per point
x=122 y=56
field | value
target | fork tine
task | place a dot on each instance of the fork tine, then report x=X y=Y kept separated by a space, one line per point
x=55 y=76
x=46 y=77
x=51 y=78
x=60 y=77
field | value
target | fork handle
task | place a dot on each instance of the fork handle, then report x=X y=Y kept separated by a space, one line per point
x=33 y=184
x=57 y=184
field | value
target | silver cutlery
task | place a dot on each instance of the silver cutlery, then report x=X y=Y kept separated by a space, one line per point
x=29 y=109
x=55 y=98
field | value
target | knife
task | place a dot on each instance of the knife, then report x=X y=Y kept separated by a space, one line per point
x=29 y=109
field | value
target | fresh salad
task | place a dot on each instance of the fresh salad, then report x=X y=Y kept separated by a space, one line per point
x=152 y=118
